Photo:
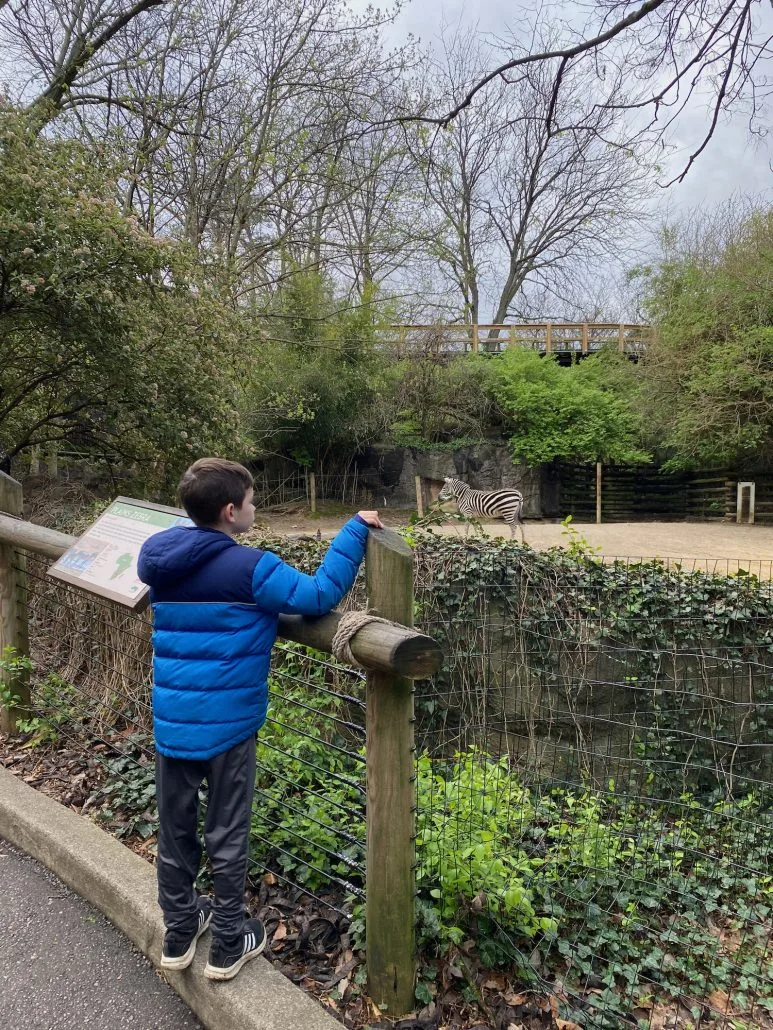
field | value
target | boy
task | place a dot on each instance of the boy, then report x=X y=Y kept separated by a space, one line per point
x=215 y=608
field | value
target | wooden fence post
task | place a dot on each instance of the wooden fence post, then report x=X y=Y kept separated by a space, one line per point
x=13 y=602
x=403 y=336
x=419 y=498
x=598 y=493
x=313 y=491
x=391 y=791
x=745 y=506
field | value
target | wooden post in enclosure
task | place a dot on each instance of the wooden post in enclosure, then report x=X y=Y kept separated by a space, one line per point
x=584 y=339
x=598 y=493
x=313 y=491
x=13 y=602
x=549 y=338
x=744 y=503
x=419 y=498
x=475 y=339
x=391 y=783
x=621 y=338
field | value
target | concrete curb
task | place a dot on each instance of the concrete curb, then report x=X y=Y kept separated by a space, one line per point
x=121 y=885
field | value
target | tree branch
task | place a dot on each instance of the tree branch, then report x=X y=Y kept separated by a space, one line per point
x=81 y=52
x=567 y=53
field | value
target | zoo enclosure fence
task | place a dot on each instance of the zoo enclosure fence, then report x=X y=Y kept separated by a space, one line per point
x=607 y=726
x=295 y=486
x=605 y=737
x=93 y=690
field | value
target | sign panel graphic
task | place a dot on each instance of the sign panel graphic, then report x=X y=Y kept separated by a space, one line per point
x=104 y=559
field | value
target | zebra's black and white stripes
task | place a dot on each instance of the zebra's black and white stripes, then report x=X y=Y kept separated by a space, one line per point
x=496 y=504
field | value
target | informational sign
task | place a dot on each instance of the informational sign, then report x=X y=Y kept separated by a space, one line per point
x=104 y=559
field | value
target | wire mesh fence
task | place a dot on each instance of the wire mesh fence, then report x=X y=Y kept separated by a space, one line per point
x=301 y=487
x=309 y=817
x=345 y=488
x=755 y=568
x=594 y=769
x=596 y=779
x=92 y=691
x=272 y=491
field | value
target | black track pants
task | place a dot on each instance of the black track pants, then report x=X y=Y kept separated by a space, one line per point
x=231 y=781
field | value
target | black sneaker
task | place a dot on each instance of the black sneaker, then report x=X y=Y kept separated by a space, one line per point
x=179 y=948
x=225 y=962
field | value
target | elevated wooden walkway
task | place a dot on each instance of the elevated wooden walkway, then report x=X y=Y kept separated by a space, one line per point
x=564 y=339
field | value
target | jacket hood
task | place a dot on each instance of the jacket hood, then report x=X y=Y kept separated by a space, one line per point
x=174 y=553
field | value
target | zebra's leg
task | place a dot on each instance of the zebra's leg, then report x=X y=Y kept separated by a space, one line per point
x=517 y=524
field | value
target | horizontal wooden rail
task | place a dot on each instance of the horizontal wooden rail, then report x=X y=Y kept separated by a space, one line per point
x=26 y=535
x=544 y=337
x=488 y=326
x=382 y=647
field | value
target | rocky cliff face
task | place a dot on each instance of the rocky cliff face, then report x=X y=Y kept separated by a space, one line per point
x=390 y=473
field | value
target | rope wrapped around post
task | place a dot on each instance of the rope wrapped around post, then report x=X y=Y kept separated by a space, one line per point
x=350 y=624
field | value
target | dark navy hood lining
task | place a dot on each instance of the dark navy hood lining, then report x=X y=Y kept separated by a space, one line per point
x=176 y=553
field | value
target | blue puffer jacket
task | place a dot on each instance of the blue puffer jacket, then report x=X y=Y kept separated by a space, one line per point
x=215 y=607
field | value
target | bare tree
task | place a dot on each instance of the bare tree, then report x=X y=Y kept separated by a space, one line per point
x=248 y=132
x=456 y=170
x=666 y=51
x=530 y=183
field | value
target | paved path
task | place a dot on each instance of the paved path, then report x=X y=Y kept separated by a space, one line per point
x=63 y=966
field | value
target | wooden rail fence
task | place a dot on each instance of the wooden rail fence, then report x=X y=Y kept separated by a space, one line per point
x=567 y=338
x=393 y=655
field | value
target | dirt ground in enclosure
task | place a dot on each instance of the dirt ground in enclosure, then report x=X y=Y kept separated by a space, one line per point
x=716 y=546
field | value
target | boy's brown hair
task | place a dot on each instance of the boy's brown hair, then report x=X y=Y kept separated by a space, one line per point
x=211 y=483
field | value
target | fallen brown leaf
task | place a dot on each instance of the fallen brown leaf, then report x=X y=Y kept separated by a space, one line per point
x=494 y=983
x=515 y=999
x=719 y=1000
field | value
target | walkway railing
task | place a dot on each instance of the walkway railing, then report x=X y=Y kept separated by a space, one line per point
x=392 y=653
x=544 y=337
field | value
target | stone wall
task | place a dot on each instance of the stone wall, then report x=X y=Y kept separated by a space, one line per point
x=389 y=474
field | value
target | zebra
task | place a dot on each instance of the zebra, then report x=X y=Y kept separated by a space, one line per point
x=499 y=504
